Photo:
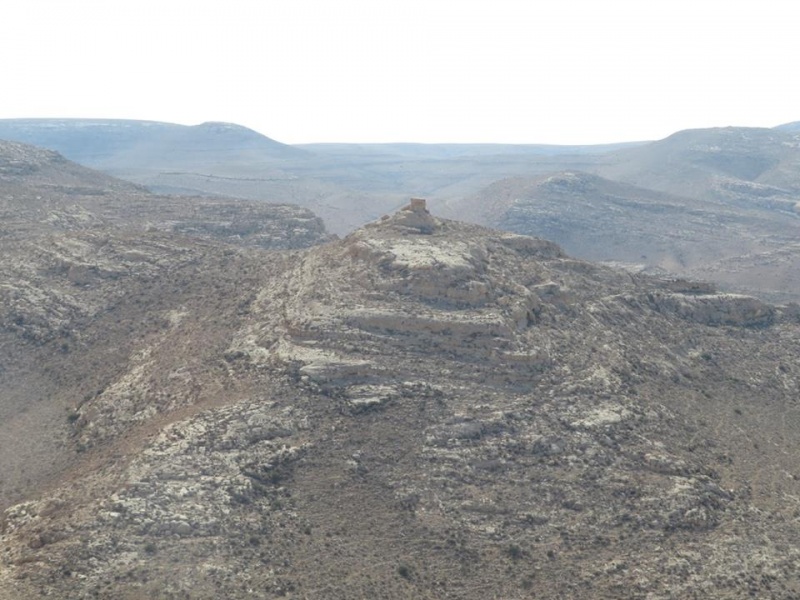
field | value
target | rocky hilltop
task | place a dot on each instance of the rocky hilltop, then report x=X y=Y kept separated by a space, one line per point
x=423 y=409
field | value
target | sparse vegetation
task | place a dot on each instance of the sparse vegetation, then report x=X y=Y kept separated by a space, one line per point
x=591 y=451
x=514 y=552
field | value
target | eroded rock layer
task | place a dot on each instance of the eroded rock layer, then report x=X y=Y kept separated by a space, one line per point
x=430 y=409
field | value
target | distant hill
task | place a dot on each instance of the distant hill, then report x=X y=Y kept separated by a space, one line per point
x=346 y=184
x=116 y=143
x=793 y=127
x=452 y=151
x=744 y=246
x=593 y=216
x=213 y=159
x=733 y=165
x=44 y=193
x=31 y=166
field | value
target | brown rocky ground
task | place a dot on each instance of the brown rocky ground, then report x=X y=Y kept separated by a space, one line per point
x=85 y=258
x=423 y=409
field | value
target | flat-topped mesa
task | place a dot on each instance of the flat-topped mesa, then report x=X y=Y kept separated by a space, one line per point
x=415 y=217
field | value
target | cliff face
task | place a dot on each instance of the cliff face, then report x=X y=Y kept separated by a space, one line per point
x=422 y=409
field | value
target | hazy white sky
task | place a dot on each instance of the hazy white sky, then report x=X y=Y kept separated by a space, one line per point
x=521 y=71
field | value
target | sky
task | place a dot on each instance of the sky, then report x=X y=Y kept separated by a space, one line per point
x=472 y=71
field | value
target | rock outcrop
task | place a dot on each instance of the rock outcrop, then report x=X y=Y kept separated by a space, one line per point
x=428 y=409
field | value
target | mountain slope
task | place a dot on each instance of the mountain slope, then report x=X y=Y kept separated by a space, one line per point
x=77 y=246
x=101 y=143
x=793 y=127
x=749 y=248
x=211 y=159
x=732 y=165
x=45 y=193
x=428 y=409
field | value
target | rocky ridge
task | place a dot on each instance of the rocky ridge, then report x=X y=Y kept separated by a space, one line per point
x=430 y=409
x=85 y=256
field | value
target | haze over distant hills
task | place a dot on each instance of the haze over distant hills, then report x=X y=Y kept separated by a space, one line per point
x=346 y=184
x=712 y=203
x=732 y=164
x=104 y=142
